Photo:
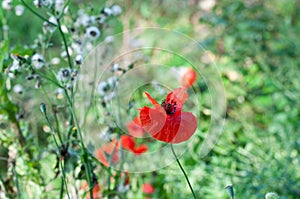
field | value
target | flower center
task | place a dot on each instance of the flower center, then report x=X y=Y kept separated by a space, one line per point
x=169 y=107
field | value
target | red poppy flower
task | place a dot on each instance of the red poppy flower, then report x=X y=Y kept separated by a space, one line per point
x=135 y=128
x=106 y=150
x=188 y=78
x=113 y=148
x=148 y=188
x=166 y=122
x=129 y=144
x=96 y=190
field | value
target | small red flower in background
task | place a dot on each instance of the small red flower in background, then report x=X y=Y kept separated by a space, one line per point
x=166 y=122
x=113 y=148
x=148 y=188
x=188 y=78
x=135 y=128
x=96 y=190
x=129 y=144
x=106 y=150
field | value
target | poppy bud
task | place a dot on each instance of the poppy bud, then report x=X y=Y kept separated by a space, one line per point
x=43 y=108
x=229 y=190
x=188 y=78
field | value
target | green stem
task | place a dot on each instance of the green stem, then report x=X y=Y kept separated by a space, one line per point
x=5 y=187
x=61 y=189
x=4 y=25
x=71 y=106
x=62 y=12
x=74 y=116
x=184 y=173
x=57 y=128
x=65 y=43
x=74 y=185
x=83 y=148
x=63 y=177
x=92 y=90
x=49 y=76
x=37 y=14
x=55 y=116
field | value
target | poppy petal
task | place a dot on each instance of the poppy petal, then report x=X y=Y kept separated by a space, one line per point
x=135 y=128
x=128 y=143
x=178 y=95
x=154 y=102
x=111 y=147
x=140 y=149
x=169 y=130
x=106 y=150
x=187 y=127
x=152 y=120
x=163 y=124
x=101 y=157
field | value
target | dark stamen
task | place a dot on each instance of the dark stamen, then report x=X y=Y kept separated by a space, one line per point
x=169 y=107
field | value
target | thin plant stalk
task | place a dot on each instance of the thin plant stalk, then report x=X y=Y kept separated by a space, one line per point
x=65 y=42
x=110 y=162
x=4 y=24
x=55 y=117
x=61 y=189
x=83 y=148
x=37 y=14
x=5 y=187
x=183 y=171
x=59 y=155
x=71 y=106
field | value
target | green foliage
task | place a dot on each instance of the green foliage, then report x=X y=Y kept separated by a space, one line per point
x=260 y=144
